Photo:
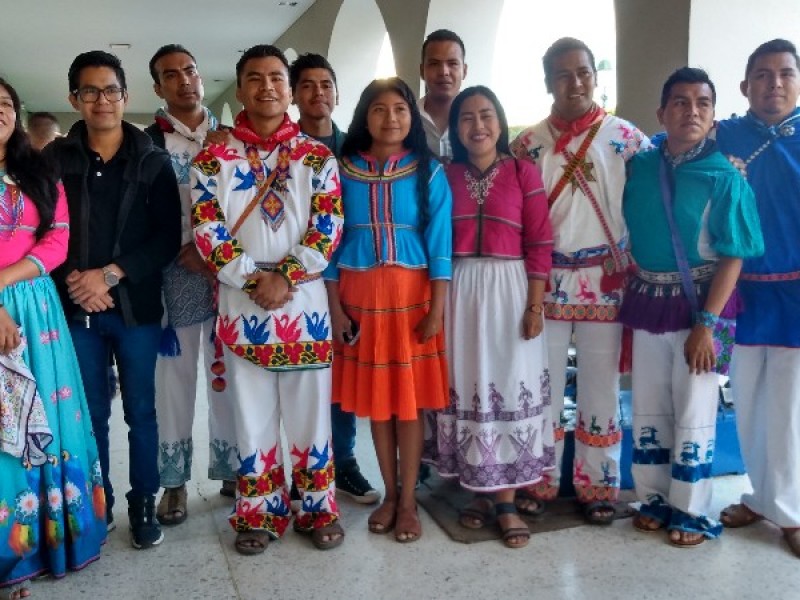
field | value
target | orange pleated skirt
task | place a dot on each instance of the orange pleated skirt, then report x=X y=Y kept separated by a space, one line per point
x=388 y=372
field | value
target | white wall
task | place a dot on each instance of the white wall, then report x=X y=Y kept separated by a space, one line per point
x=723 y=33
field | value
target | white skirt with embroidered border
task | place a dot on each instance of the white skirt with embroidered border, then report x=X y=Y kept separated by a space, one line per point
x=497 y=431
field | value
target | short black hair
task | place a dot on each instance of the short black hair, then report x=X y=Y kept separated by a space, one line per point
x=687 y=75
x=259 y=51
x=776 y=46
x=164 y=51
x=309 y=60
x=43 y=115
x=94 y=58
x=444 y=35
x=460 y=154
x=559 y=47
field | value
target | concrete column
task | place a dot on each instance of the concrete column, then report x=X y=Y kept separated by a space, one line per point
x=652 y=41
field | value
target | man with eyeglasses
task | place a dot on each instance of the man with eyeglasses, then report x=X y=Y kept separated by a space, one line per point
x=124 y=229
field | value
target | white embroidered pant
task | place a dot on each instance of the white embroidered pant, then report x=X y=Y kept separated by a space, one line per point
x=766 y=389
x=176 y=391
x=674 y=424
x=262 y=400
x=598 y=436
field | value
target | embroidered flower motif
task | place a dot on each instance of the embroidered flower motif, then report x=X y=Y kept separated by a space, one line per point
x=72 y=493
x=54 y=499
x=27 y=505
x=4 y=512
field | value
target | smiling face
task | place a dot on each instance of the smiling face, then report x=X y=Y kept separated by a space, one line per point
x=479 y=129
x=572 y=82
x=179 y=82
x=687 y=116
x=772 y=86
x=264 y=91
x=315 y=94
x=443 y=69
x=8 y=118
x=101 y=115
x=388 y=123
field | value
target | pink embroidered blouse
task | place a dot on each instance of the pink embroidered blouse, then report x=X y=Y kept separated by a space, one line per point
x=18 y=231
x=502 y=213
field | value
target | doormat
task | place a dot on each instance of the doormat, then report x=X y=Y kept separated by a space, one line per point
x=443 y=499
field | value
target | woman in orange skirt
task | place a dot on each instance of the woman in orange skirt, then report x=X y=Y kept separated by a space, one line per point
x=387 y=285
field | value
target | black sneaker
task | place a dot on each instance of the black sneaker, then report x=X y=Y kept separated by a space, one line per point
x=351 y=482
x=145 y=530
x=296 y=500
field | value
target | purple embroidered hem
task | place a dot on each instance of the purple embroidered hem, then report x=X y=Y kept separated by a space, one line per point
x=662 y=308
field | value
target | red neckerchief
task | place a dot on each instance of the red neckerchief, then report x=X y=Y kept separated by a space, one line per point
x=571 y=129
x=243 y=130
x=164 y=125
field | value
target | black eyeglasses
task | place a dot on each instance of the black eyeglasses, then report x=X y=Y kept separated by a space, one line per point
x=112 y=93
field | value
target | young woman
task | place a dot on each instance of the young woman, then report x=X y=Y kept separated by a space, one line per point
x=52 y=506
x=387 y=286
x=496 y=435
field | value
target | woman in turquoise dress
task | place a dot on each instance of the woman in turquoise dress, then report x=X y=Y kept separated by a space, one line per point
x=52 y=506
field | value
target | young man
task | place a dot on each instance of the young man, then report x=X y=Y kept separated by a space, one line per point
x=766 y=364
x=124 y=228
x=582 y=153
x=315 y=94
x=443 y=69
x=267 y=216
x=43 y=128
x=181 y=127
x=692 y=218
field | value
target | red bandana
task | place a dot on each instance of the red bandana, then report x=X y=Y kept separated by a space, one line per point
x=571 y=129
x=164 y=125
x=243 y=130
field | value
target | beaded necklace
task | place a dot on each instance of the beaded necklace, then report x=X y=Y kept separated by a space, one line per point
x=10 y=208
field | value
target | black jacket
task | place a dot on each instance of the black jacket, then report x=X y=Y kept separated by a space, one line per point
x=148 y=230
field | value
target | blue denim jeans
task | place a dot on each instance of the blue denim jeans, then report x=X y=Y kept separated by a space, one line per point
x=343 y=432
x=135 y=350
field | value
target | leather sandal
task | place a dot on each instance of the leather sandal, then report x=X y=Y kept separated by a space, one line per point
x=738 y=515
x=407 y=527
x=647 y=524
x=382 y=519
x=172 y=506
x=528 y=504
x=792 y=537
x=512 y=533
x=252 y=542
x=477 y=513
x=593 y=512
x=318 y=536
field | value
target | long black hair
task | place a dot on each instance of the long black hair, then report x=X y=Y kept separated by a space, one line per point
x=358 y=138
x=460 y=154
x=29 y=170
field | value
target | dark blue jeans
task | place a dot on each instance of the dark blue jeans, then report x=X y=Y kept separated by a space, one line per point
x=135 y=350
x=343 y=432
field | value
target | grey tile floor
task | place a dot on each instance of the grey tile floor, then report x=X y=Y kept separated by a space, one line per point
x=197 y=559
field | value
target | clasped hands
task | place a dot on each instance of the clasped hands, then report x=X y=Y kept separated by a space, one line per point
x=89 y=290
x=272 y=290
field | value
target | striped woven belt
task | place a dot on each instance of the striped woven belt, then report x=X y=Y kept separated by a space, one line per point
x=563 y=261
x=791 y=276
x=266 y=266
x=700 y=273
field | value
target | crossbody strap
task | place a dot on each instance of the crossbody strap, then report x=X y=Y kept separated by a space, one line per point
x=667 y=197
x=263 y=190
x=572 y=163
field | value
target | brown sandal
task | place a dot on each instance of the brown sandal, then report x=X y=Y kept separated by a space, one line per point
x=477 y=512
x=378 y=521
x=333 y=532
x=679 y=542
x=407 y=525
x=738 y=515
x=647 y=524
x=252 y=542
x=172 y=506
x=512 y=533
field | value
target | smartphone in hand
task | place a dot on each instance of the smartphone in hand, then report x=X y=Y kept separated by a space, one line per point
x=351 y=337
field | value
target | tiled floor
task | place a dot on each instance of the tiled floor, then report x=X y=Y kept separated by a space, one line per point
x=197 y=558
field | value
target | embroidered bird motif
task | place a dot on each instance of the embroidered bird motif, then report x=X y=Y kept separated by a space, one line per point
x=302 y=457
x=322 y=456
x=310 y=506
x=247 y=465
x=269 y=458
x=287 y=330
x=221 y=232
x=248 y=179
x=317 y=326
x=255 y=332
x=226 y=329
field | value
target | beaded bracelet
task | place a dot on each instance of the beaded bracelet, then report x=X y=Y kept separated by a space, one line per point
x=706 y=319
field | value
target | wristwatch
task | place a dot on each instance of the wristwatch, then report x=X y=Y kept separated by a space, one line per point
x=535 y=309
x=110 y=277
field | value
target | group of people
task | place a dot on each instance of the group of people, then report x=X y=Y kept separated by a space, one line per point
x=422 y=270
